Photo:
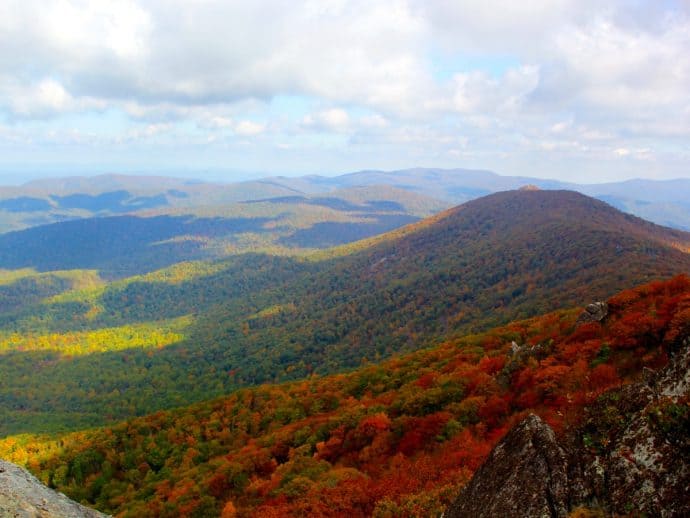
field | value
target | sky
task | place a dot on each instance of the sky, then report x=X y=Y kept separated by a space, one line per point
x=578 y=90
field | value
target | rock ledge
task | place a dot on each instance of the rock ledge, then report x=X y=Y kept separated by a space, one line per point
x=23 y=496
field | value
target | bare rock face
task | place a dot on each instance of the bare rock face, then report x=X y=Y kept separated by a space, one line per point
x=595 y=312
x=648 y=463
x=23 y=496
x=525 y=475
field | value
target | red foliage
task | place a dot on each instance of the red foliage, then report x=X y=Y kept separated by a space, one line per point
x=587 y=350
x=426 y=380
x=494 y=411
x=420 y=430
x=218 y=485
x=377 y=447
x=603 y=376
x=492 y=365
x=634 y=329
x=374 y=424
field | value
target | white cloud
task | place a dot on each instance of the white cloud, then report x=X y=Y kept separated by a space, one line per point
x=215 y=51
x=333 y=119
x=215 y=122
x=502 y=27
x=624 y=68
x=555 y=78
x=477 y=92
x=46 y=96
x=146 y=132
x=374 y=121
x=249 y=128
x=117 y=27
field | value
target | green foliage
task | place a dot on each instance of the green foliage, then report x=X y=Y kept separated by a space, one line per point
x=400 y=440
x=602 y=355
x=77 y=343
x=672 y=419
x=257 y=318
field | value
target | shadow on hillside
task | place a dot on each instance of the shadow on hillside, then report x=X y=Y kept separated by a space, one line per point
x=25 y=204
x=336 y=203
x=118 y=246
x=112 y=202
x=322 y=235
x=238 y=284
x=29 y=290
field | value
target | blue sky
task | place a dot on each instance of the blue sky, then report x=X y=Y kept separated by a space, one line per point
x=578 y=90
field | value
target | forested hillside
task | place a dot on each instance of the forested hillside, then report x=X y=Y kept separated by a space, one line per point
x=429 y=190
x=121 y=246
x=87 y=357
x=48 y=201
x=396 y=439
x=664 y=202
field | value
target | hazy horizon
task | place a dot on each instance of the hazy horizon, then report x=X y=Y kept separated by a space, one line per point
x=229 y=177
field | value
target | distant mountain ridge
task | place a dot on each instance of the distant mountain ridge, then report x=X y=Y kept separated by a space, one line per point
x=661 y=201
x=155 y=236
x=42 y=201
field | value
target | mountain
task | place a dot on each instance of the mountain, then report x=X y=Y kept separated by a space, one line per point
x=401 y=438
x=121 y=246
x=664 y=202
x=104 y=183
x=54 y=200
x=454 y=185
x=50 y=200
x=661 y=201
x=199 y=330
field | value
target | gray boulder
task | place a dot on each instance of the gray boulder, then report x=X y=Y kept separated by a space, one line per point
x=23 y=496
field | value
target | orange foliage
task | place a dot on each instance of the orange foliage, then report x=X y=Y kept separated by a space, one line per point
x=229 y=510
x=376 y=439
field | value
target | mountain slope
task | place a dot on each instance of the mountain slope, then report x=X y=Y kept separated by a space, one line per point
x=502 y=257
x=628 y=453
x=128 y=245
x=258 y=318
x=64 y=199
x=45 y=201
x=396 y=439
x=662 y=201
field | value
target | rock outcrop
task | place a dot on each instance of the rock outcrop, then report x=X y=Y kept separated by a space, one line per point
x=630 y=455
x=640 y=446
x=525 y=475
x=595 y=312
x=23 y=496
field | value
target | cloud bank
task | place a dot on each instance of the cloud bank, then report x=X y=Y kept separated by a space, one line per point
x=576 y=89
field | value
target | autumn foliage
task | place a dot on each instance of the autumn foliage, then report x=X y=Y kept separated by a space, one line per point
x=389 y=440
